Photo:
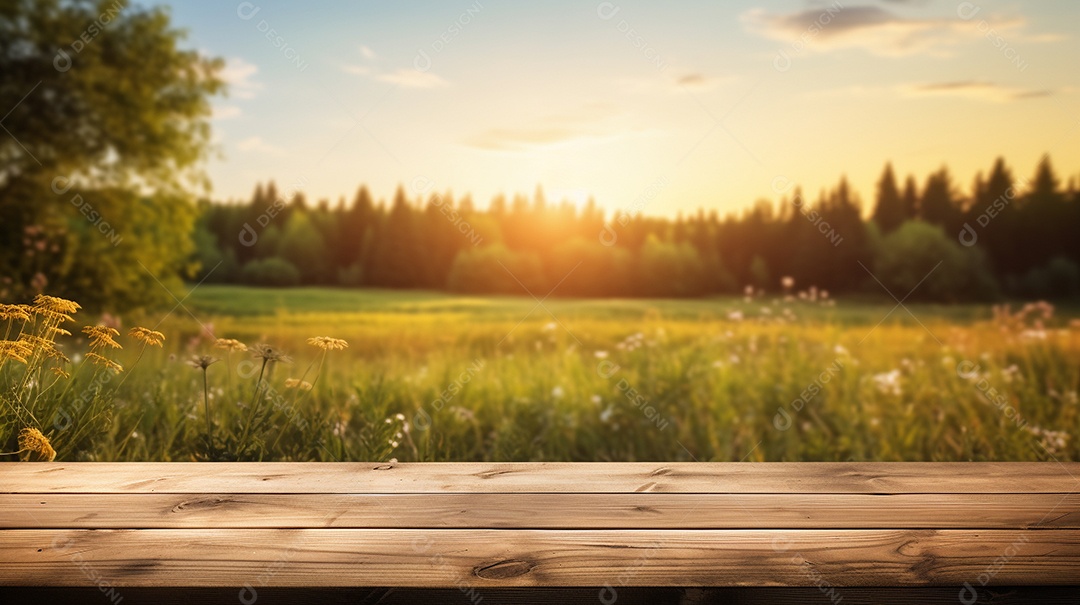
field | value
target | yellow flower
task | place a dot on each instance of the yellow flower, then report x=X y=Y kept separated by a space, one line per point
x=102 y=336
x=147 y=336
x=61 y=372
x=19 y=312
x=59 y=332
x=15 y=349
x=328 y=344
x=292 y=383
x=55 y=353
x=56 y=316
x=230 y=344
x=101 y=360
x=55 y=305
x=31 y=441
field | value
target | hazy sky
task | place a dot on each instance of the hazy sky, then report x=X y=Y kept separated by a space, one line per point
x=644 y=105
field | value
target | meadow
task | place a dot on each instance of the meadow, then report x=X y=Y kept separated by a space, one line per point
x=435 y=377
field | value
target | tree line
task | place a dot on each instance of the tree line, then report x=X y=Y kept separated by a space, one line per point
x=1011 y=236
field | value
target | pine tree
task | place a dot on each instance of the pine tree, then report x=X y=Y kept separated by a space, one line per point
x=889 y=212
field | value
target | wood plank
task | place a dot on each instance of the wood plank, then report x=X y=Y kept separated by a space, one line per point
x=436 y=477
x=545 y=511
x=936 y=595
x=512 y=558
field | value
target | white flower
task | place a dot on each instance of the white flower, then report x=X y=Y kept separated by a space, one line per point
x=840 y=350
x=557 y=392
x=596 y=399
x=606 y=415
x=601 y=354
x=735 y=316
x=888 y=382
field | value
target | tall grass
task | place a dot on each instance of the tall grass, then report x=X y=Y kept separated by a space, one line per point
x=440 y=378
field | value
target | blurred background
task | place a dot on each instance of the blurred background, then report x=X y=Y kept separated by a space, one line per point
x=779 y=230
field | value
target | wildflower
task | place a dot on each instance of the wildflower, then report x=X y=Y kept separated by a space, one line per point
x=102 y=336
x=328 y=344
x=1054 y=442
x=607 y=414
x=787 y=282
x=601 y=354
x=56 y=331
x=14 y=349
x=230 y=344
x=54 y=353
x=735 y=316
x=32 y=440
x=557 y=393
x=101 y=360
x=202 y=361
x=147 y=336
x=55 y=305
x=10 y=312
x=61 y=372
x=269 y=354
x=293 y=383
x=888 y=382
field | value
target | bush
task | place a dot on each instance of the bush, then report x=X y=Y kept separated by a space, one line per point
x=495 y=269
x=920 y=260
x=272 y=271
x=1059 y=278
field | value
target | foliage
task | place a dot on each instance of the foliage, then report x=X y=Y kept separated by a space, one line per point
x=635 y=379
x=270 y=272
x=920 y=262
x=109 y=118
x=83 y=407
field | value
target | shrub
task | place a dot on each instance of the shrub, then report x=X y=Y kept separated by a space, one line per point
x=272 y=271
x=918 y=258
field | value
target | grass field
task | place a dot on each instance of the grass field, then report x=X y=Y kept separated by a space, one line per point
x=429 y=376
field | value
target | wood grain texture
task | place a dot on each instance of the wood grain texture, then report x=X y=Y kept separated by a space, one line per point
x=504 y=526
x=543 y=477
x=877 y=595
x=541 y=511
x=514 y=558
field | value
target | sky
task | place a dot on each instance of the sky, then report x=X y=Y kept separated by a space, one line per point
x=654 y=107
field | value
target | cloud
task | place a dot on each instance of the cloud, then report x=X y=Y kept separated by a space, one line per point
x=974 y=89
x=696 y=82
x=411 y=78
x=874 y=29
x=687 y=82
x=406 y=78
x=590 y=123
x=256 y=144
x=239 y=74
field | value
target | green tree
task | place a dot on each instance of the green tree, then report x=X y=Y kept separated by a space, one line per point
x=889 y=212
x=302 y=245
x=920 y=260
x=117 y=112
